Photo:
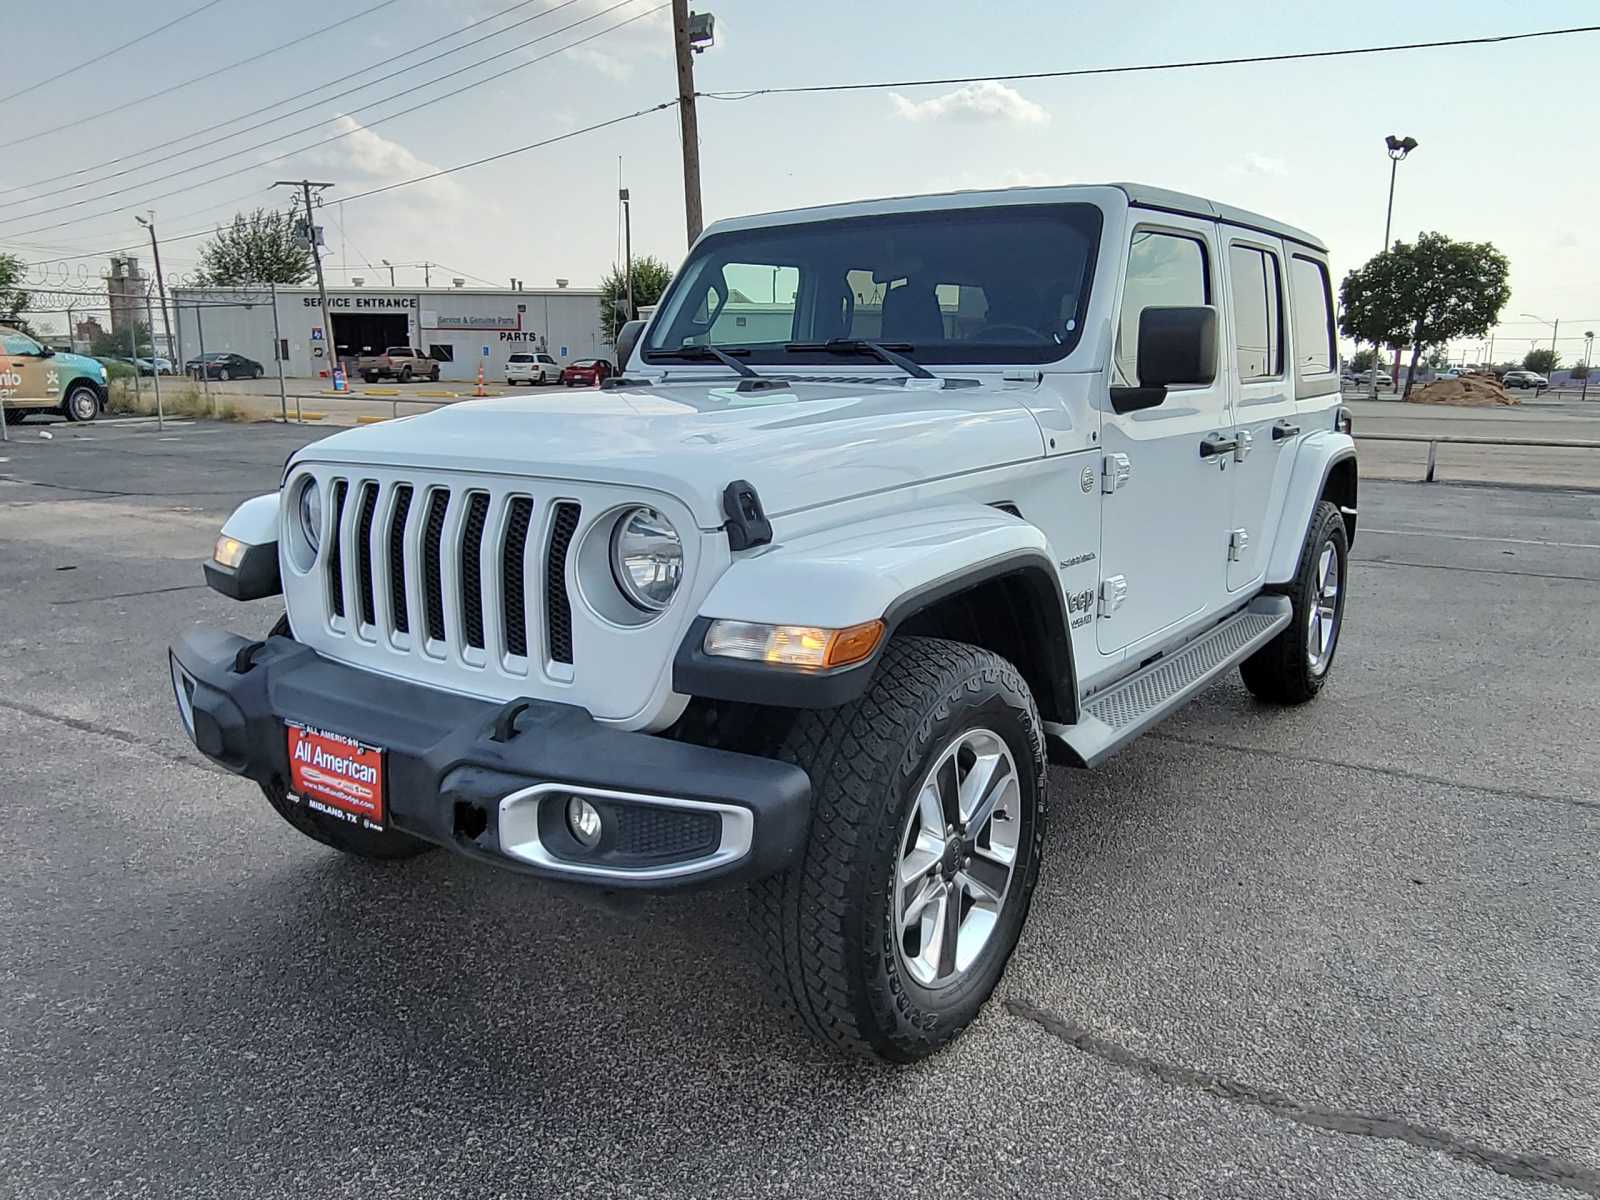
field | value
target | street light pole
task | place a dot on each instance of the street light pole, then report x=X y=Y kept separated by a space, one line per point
x=173 y=348
x=1588 y=362
x=1555 y=328
x=627 y=246
x=1398 y=149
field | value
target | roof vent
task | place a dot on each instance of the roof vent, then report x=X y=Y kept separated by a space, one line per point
x=458 y=282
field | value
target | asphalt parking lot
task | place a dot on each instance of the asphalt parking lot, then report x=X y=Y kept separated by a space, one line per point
x=1347 y=950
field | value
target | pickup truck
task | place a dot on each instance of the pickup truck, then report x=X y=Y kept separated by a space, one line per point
x=810 y=604
x=398 y=362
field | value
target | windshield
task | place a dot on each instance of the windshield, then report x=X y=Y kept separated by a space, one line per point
x=999 y=284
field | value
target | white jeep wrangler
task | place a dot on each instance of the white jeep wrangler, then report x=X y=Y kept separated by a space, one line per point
x=893 y=502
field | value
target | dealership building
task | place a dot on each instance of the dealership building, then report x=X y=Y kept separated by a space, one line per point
x=460 y=327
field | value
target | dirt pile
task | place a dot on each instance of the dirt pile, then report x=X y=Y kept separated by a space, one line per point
x=1470 y=391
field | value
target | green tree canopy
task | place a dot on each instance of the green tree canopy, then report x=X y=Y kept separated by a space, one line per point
x=12 y=298
x=259 y=248
x=1425 y=293
x=1543 y=361
x=1438 y=358
x=650 y=279
x=1361 y=360
x=116 y=345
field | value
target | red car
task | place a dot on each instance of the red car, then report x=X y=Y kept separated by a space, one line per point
x=586 y=372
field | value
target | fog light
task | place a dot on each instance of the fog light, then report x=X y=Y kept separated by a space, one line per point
x=583 y=821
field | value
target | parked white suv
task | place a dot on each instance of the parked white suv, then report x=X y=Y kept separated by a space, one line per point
x=526 y=366
x=808 y=598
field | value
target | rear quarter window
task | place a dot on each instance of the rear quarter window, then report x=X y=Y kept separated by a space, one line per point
x=1311 y=309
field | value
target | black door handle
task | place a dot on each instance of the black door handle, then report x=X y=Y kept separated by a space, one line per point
x=1214 y=444
x=1284 y=430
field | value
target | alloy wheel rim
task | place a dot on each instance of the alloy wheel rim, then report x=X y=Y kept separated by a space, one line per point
x=957 y=854
x=1322 y=622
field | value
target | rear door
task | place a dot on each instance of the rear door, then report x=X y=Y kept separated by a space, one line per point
x=1163 y=529
x=1264 y=406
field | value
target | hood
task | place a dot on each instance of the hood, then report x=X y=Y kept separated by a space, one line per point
x=77 y=362
x=804 y=445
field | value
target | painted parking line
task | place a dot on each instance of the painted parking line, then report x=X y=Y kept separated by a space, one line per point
x=1478 y=537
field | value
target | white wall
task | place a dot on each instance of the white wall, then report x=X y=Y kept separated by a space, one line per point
x=563 y=322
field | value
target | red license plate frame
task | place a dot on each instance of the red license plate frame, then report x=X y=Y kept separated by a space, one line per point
x=336 y=775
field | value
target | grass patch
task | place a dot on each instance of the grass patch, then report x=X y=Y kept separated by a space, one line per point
x=178 y=399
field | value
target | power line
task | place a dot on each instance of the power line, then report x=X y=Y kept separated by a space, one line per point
x=124 y=105
x=118 y=49
x=97 y=168
x=338 y=136
x=168 y=239
x=1497 y=39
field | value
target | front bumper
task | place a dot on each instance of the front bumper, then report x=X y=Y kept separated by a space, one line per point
x=492 y=781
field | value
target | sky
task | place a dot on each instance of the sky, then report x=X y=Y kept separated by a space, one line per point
x=1505 y=133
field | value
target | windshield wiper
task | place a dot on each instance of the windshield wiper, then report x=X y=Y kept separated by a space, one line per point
x=722 y=356
x=884 y=353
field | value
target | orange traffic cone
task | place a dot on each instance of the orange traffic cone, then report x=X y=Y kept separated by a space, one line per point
x=480 y=391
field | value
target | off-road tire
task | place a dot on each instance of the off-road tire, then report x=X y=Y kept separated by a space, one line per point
x=1281 y=671
x=73 y=410
x=350 y=839
x=405 y=374
x=434 y=376
x=826 y=925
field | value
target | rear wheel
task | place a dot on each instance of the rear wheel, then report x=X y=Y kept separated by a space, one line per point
x=405 y=374
x=349 y=839
x=1292 y=667
x=927 y=824
x=81 y=404
x=370 y=376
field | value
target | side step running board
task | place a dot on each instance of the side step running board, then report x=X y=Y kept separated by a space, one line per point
x=1113 y=718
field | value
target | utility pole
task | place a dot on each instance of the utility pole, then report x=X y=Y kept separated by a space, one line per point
x=173 y=348
x=1588 y=362
x=305 y=186
x=427 y=275
x=687 y=122
x=627 y=247
x=390 y=265
x=155 y=373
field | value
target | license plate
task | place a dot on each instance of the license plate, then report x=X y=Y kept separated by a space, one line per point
x=336 y=775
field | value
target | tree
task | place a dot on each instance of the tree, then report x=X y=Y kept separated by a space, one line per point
x=1425 y=293
x=1542 y=361
x=259 y=248
x=115 y=345
x=1361 y=360
x=13 y=299
x=650 y=279
x=1438 y=358
x=1580 y=371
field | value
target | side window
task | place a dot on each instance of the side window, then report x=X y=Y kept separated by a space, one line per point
x=1257 y=312
x=1163 y=269
x=1313 y=317
x=20 y=343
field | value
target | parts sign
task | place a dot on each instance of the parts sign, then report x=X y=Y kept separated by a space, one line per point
x=337 y=776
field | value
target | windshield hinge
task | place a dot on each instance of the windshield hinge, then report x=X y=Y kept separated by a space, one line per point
x=747 y=525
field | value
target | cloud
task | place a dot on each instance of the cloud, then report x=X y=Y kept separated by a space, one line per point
x=985 y=101
x=1260 y=164
x=368 y=159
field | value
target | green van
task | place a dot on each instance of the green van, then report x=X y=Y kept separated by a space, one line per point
x=36 y=379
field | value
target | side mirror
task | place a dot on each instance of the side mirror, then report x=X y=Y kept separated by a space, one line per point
x=627 y=339
x=1177 y=345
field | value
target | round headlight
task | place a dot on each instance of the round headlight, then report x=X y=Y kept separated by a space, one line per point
x=311 y=514
x=646 y=558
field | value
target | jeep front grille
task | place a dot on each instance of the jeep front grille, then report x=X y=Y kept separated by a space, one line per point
x=437 y=570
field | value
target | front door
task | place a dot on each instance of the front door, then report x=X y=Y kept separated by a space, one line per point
x=27 y=378
x=1264 y=407
x=1163 y=529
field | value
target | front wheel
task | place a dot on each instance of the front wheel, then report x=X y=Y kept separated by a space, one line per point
x=928 y=817
x=256 y=374
x=81 y=404
x=1292 y=667
x=405 y=375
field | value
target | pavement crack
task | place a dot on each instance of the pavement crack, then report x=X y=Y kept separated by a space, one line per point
x=1392 y=772
x=1535 y=1168
x=183 y=587
x=148 y=745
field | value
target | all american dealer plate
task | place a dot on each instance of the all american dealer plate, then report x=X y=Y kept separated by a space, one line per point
x=336 y=775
